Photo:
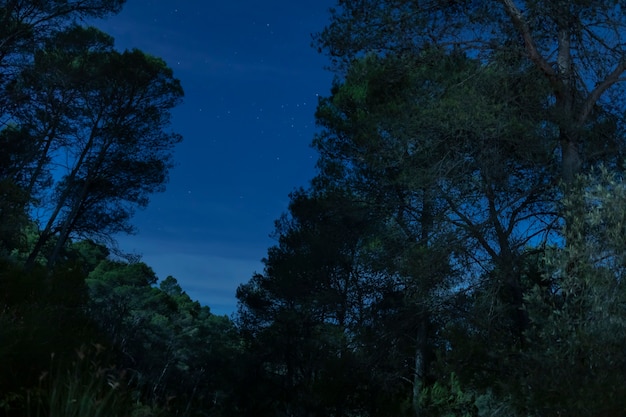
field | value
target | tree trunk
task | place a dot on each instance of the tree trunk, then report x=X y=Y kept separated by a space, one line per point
x=420 y=365
x=570 y=159
x=61 y=202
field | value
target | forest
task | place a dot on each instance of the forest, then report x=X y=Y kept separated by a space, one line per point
x=460 y=251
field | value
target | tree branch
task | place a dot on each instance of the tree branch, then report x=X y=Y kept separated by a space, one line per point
x=520 y=24
x=599 y=89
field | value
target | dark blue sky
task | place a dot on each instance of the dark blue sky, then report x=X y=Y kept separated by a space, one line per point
x=251 y=81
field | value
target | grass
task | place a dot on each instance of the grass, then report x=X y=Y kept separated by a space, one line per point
x=86 y=387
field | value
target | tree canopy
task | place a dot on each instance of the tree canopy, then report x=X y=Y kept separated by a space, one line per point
x=577 y=47
x=472 y=137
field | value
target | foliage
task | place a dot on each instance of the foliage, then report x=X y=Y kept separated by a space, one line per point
x=309 y=300
x=575 y=359
x=171 y=346
x=348 y=320
x=25 y=24
x=451 y=128
x=105 y=113
x=170 y=353
x=564 y=42
x=447 y=399
x=459 y=188
x=87 y=387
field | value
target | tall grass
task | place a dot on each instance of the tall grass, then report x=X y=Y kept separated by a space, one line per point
x=85 y=387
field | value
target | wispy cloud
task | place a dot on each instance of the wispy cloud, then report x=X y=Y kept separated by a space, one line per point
x=209 y=272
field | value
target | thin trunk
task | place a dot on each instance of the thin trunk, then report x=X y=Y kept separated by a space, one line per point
x=420 y=364
x=506 y=262
x=73 y=216
x=421 y=349
x=65 y=229
x=155 y=387
x=42 y=159
x=418 y=382
x=564 y=57
x=569 y=139
x=193 y=393
x=62 y=201
x=570 y=157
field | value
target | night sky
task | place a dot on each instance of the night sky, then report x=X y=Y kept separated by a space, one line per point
x=251 y=81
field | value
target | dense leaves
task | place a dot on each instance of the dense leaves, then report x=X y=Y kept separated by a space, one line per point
x=578 y=322
x=173 y=347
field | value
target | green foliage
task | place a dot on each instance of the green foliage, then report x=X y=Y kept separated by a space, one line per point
x=17 y=152
x=575 y=359
x=563 y=43
x=332 y=322
x=296 y=317
x=173 y=347
x=447 y=399
x=168 y=353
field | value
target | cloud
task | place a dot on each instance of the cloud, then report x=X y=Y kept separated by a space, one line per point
x=212 y=280
x=209 y=272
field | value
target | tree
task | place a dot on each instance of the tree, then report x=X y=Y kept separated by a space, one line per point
x=98 y=118
x=340 y=290
x=427 y=140
x=495 y=124
x=577 y=47
x=177 y=354
x=207 y=348
x=26 y=24
x=411 y=196
x=43 y=319
x=14 y=200
x=575 y=364
x=300 y=317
